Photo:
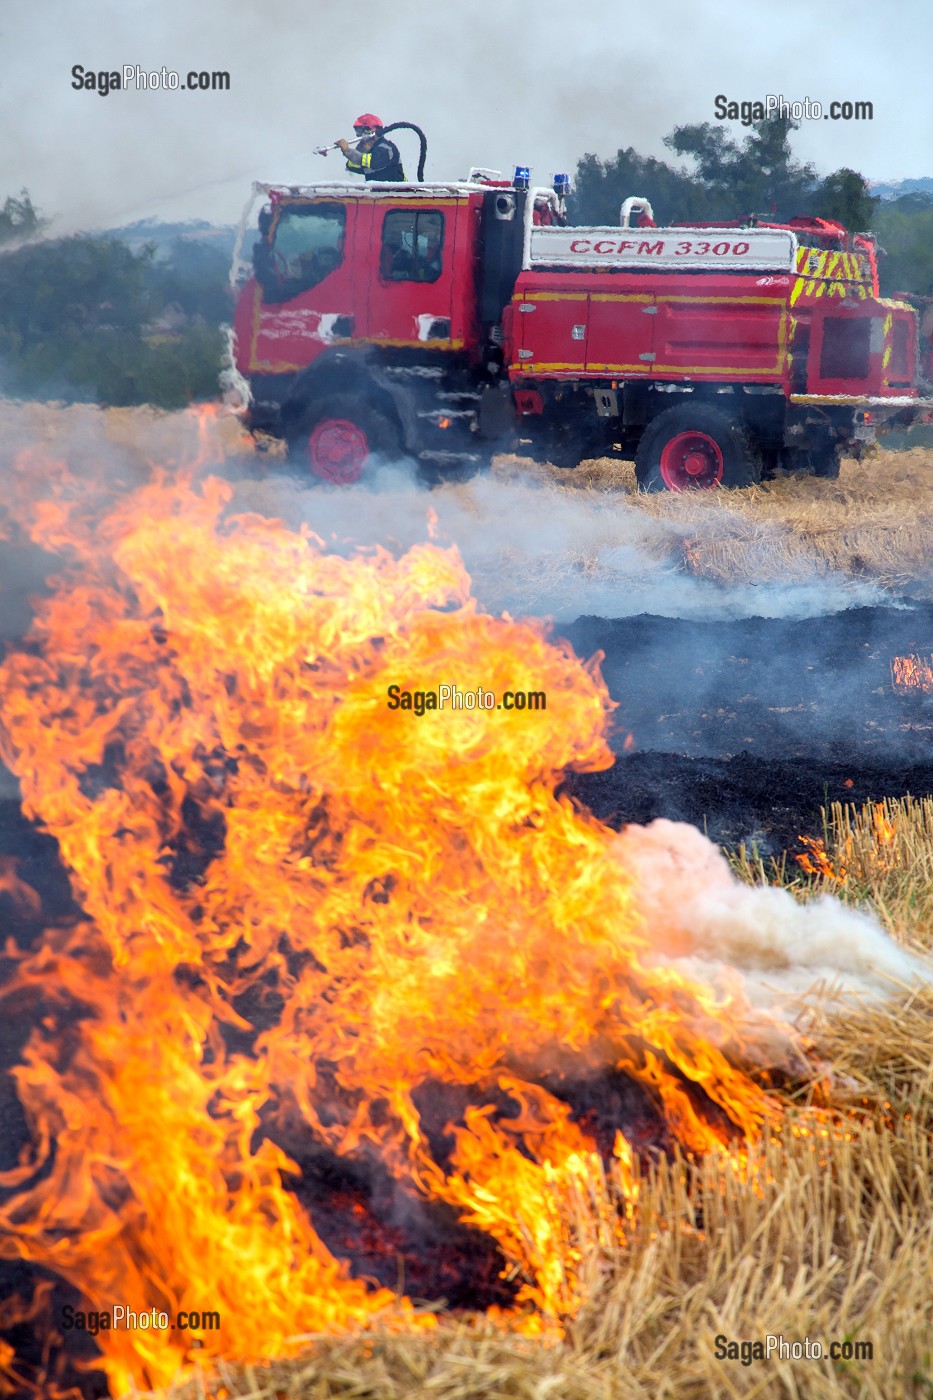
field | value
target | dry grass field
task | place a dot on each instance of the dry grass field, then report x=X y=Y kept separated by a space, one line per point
x=875 y=522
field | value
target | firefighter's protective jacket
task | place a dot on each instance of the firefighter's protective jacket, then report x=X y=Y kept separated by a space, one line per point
x=383 y=162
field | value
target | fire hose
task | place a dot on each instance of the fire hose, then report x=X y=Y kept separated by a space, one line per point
x=322 y=150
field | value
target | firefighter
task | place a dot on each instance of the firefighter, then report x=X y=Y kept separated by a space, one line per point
x=375 y=158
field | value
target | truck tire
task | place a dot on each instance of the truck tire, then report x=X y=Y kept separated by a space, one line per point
x=336 y=439
x=695 y=446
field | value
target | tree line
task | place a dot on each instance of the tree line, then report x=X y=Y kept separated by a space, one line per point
x=729 y=180
x=89 y=318
x=759 y=176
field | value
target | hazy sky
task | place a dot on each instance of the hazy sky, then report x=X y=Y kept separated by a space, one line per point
x=493 y=82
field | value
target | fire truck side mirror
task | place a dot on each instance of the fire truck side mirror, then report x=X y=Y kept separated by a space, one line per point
x=505 y=206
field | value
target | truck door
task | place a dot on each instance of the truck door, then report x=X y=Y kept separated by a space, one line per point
x=411 y=284
x=550 y=330
x=304 y=286
x=621 y=333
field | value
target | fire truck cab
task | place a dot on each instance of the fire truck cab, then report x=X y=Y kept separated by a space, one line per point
x=444 y=321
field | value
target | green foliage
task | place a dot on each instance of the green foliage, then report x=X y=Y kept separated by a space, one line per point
x=77 y=322
x=845 y=196
x=71 y=287
x=176 y=372
x=19 y=219
x=193 y=277
x=729 y=180
x=760 y=176
x=904 y=229
x=601 y=186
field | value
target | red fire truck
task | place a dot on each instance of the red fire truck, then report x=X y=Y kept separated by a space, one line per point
x=445 y=321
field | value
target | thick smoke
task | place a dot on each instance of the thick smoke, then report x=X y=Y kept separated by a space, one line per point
x=708 y=925
x=506 y=87
x=194 y=154
x=538 y=549
x=531 y=547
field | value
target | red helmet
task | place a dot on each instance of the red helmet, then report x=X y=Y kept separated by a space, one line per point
x=367 y=119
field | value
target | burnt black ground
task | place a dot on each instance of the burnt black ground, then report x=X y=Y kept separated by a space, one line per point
x=746 y=728
x=745 y=800
x=819 y=688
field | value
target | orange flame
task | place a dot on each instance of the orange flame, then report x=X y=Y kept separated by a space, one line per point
x=912 y=673
x=815 y=859
x=377 y=902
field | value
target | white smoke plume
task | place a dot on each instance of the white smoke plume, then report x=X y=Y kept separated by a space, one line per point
x=707 y=924
x=539 y=549
x=531 y=547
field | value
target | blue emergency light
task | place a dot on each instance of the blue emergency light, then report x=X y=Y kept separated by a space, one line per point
x=562 y=185
x=522 y=177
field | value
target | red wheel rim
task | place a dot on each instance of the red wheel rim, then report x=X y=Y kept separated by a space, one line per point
x=337 y=451
x=691 y=461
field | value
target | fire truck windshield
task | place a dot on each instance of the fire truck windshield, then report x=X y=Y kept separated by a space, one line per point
x=307 y=244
